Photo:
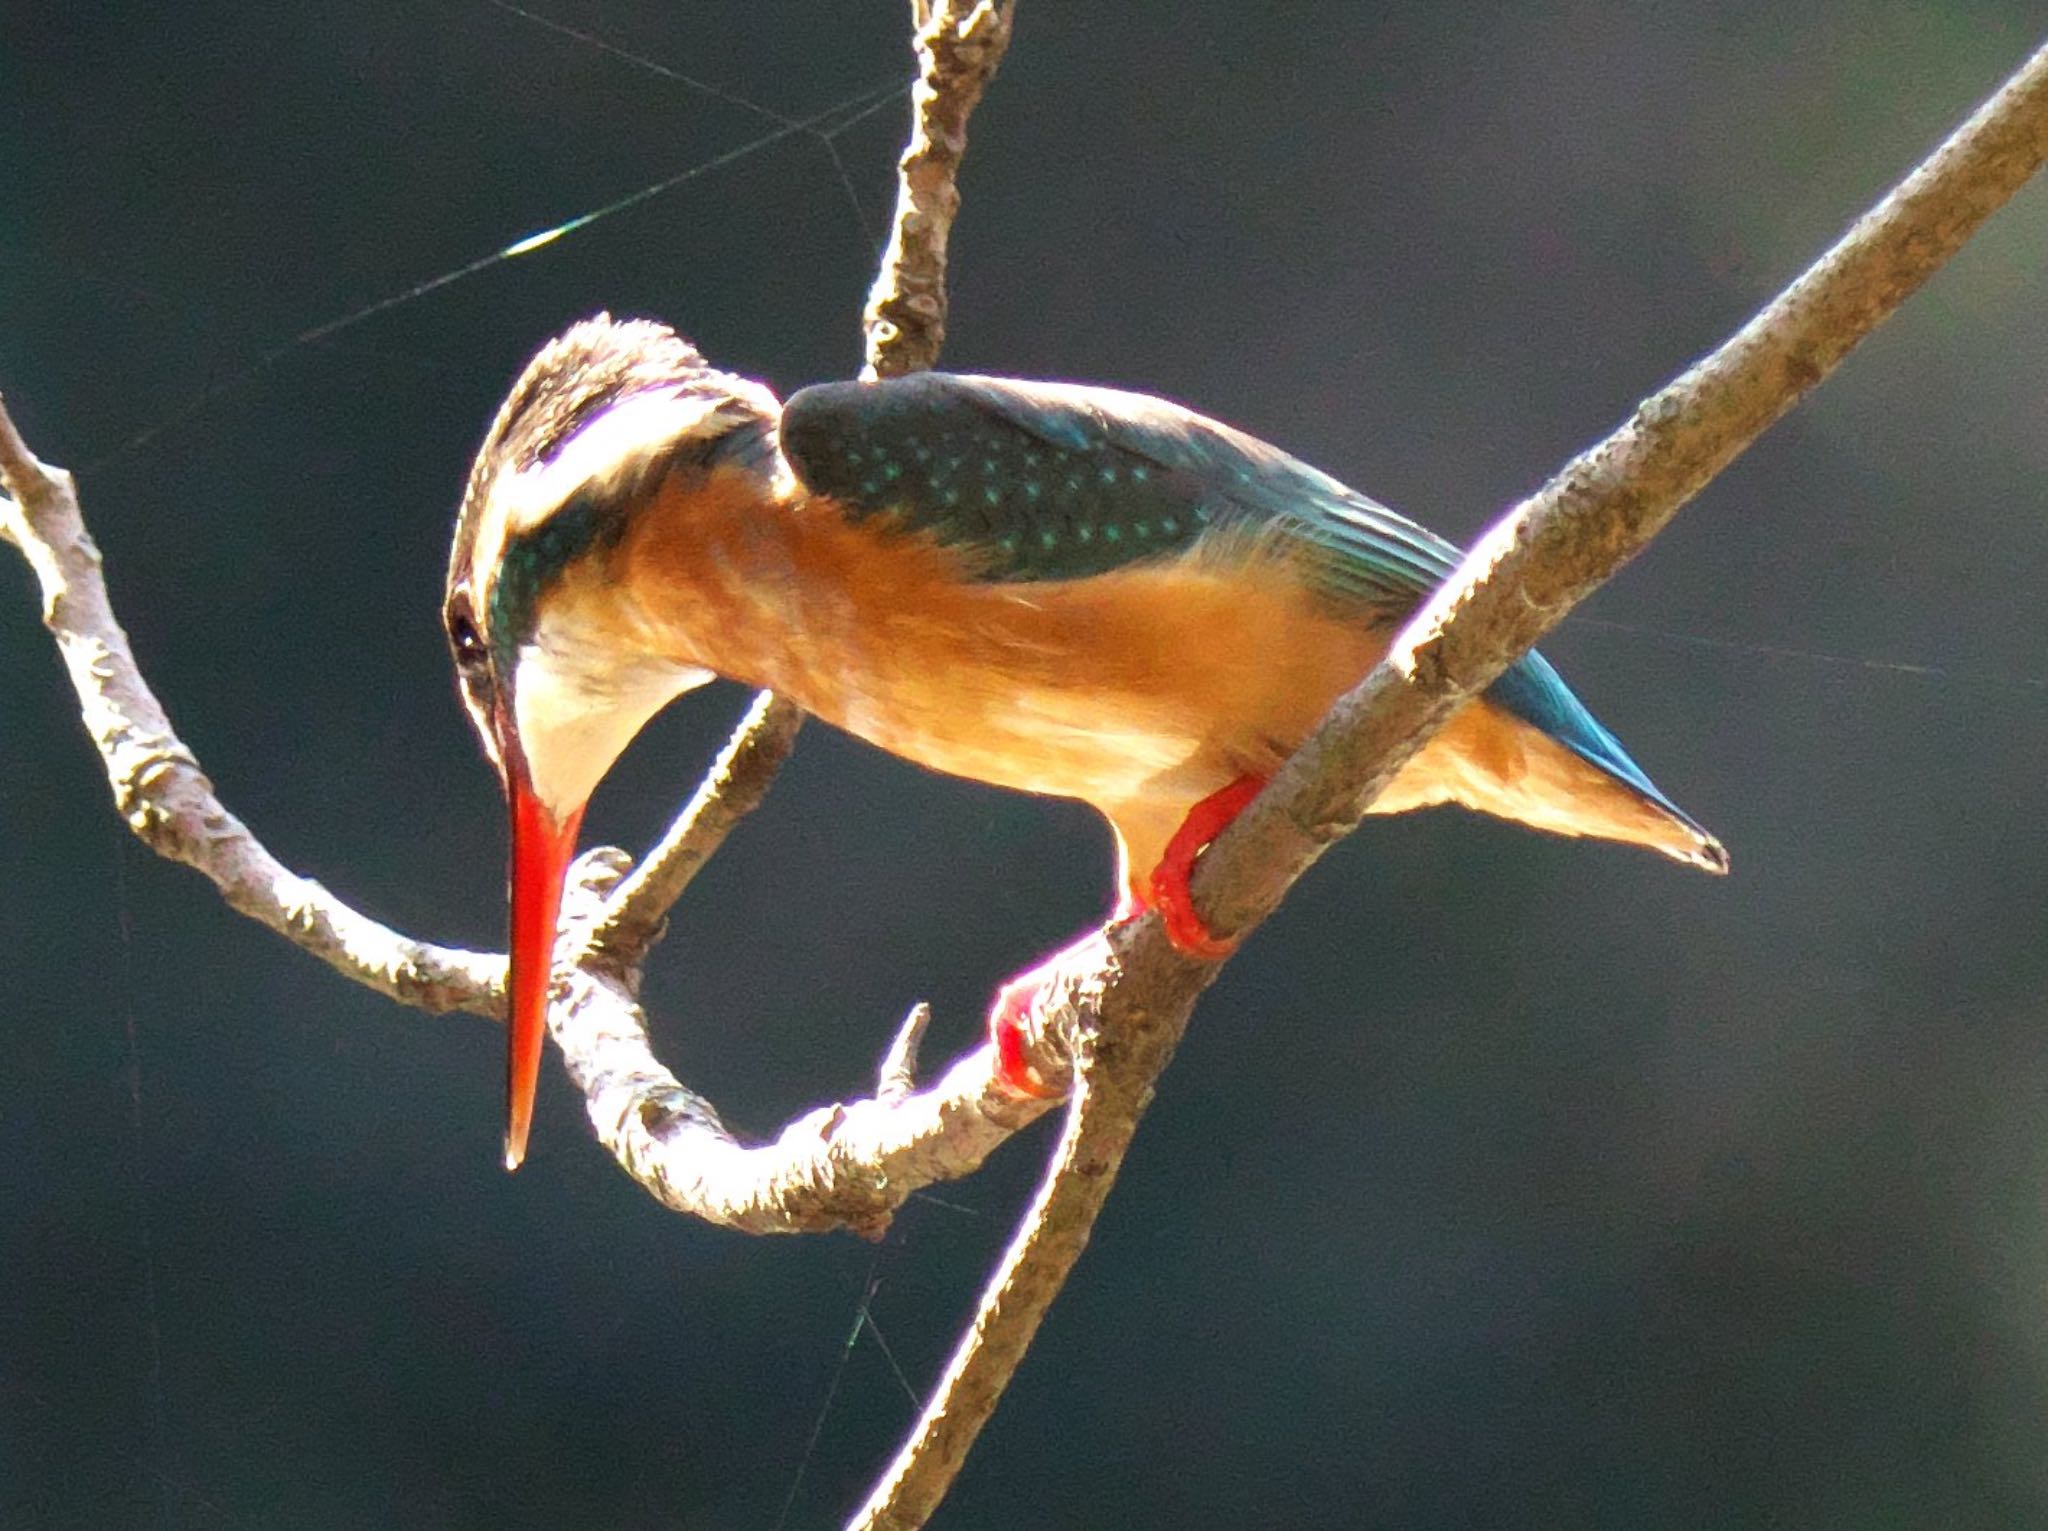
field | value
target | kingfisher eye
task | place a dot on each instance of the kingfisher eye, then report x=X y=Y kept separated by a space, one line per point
x=463 y=636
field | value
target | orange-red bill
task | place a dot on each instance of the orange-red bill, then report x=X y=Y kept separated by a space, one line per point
x=541 y=850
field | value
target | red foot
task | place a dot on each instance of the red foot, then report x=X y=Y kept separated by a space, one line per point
x=1006 y=1029
x=1166 y=891
x=1170 y=895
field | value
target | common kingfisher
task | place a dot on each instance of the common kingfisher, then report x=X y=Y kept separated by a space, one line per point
x=1054 y=588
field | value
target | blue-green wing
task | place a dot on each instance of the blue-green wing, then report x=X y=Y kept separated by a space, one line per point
x=1046 y=481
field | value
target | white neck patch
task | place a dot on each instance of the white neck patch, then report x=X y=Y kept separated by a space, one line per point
x=578 y=704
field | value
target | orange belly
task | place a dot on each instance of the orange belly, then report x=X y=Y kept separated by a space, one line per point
x=1168 y=678
x=1139 y=691
x=1159 y=682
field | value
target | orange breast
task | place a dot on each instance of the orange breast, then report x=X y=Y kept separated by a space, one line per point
x=1164 y=680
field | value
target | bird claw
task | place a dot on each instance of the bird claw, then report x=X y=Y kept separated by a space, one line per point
x=1187 y=930
x=1169 y=892
x=1013 y=1005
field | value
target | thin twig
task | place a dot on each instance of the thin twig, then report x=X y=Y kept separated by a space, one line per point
x=958 y=47
x=1516 y=584
x=733 y=788
x=960 y=44
x=1122 y=1042
x=896 y=1080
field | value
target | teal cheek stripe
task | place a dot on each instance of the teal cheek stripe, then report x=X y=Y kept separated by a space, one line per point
x=531 y=563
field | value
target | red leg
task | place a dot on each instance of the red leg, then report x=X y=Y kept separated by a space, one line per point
x=1169 y=891
x=1166 y=891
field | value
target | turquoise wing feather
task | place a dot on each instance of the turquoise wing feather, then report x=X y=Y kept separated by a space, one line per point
x=1046 y=481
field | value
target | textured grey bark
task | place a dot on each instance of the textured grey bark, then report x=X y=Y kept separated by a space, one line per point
x=158 y=786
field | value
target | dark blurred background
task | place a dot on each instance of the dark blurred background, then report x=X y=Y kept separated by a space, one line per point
x=1502 y=1181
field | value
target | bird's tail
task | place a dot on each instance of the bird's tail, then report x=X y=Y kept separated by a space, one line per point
x=1589 y=797
x=1529 y=751
x=1615 y=800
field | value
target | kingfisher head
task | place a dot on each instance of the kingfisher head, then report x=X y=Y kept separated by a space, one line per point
x=554 y=668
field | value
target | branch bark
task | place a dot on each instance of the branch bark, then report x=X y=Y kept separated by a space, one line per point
x=636 y=915
x=1603 y=507
x=959 y=47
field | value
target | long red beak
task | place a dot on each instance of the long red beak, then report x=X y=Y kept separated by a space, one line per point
x=541 y=851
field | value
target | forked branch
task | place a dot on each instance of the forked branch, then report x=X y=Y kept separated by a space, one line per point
x=959 y=47
x=846 y=1165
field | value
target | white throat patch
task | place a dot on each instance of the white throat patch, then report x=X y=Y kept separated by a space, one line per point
x=578 y=707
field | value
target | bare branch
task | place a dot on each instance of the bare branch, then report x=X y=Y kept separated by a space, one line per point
x=959 y=46
x=158 y=786
x=1125 y=1022
x=1515 y=585
x=1603 y=507
x=733 y=788
x=846 y=1165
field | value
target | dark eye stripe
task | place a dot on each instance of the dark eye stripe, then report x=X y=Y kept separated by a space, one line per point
x=534 y=560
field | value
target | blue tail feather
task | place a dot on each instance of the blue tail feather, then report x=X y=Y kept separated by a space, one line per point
x=1534 y=692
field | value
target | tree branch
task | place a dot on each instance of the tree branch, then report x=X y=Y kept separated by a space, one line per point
x=158 y=786
x=959 y=46
x=635 y=916
x=845 y=1165
x=1518 y=582
x=1603 y=507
